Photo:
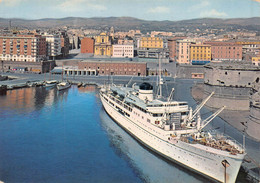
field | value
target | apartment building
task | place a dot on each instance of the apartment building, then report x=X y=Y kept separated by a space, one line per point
x=225 y=51
x=53 y=45
x=172 y=43
x=200 y=53
x=65 y=44
x=183 y=51
x=25 y=48
x=151 y=42
x=123 y=51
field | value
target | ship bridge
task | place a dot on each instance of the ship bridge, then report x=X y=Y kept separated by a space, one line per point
x=159 y=106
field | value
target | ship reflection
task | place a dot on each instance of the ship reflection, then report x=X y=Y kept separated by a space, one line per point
x=87 y=88
x=149 y=166
x=26 y=100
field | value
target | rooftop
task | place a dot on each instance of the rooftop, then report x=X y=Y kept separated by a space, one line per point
x=233 y=65
x=114 y=61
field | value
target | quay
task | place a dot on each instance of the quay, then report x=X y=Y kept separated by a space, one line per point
x=21 y=79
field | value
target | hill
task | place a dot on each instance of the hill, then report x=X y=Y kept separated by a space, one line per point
x=126 y=23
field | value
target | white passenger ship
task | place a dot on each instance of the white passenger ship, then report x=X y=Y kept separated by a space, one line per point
x=173 y=130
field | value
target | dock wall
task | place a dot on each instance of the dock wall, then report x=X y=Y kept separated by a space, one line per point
x=231 y=97
x=187 y=71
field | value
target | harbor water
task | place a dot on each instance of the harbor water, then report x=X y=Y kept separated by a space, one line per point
x=66 y=136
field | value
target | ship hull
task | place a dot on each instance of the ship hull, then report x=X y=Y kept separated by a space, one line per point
x=50 y=85
x=193 y=157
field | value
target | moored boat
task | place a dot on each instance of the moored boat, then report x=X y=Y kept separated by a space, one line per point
x=173 y=130
x=50 y=83
x=63 y=85
x=80 y=84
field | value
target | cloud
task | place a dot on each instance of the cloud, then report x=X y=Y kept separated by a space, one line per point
x=11 y=2
x=202 y=4
x=79 y=5
x=257 y=0
x=159 y=9
x=213 y=13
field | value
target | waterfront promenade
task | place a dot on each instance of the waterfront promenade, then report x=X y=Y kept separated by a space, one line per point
x=20 y=78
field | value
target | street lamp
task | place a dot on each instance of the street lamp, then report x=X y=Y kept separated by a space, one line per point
x=226 y=164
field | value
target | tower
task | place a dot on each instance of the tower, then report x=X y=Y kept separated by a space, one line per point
x=112 y=32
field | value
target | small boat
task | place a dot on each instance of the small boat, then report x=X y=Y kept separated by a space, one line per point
x=63 y=85
x=10 y=87
x=34 y=83
x=19 y=85
x=80 y=84
x=31 y=84
x=39 y=83
x=50 y=83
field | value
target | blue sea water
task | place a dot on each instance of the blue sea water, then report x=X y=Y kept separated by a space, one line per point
x=52 y=136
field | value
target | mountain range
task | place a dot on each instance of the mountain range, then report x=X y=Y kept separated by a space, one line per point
x=126 y=23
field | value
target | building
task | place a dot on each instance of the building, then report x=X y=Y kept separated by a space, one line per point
x=115 y=67
x=53 y=46
x=231 y=81
x=65 y=44
x=249 y=49
x=152 y=47
x=225 y=51
x=252 y=123
x=103 y=46
x=160 y=33
x=154 y=53
x=183 y=51
x=151 y=42
x=27 y=67
x=74 y=71
x=256 y=60
x=74 y=42
x=200 y=53
x=172 y=47
x=125 y=41
x=24 y=48
x=87 y=45
x=123 y=51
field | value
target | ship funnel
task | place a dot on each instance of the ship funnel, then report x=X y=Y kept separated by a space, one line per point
x=146 y=92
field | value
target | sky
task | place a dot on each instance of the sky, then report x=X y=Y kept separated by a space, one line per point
x=142 y=9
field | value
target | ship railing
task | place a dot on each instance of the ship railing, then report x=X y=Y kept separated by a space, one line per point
x=236 y=146
x=123 y=104
x=220 y=141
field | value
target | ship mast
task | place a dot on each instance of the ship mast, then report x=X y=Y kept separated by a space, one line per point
x=160 y=79
x=62 y=72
